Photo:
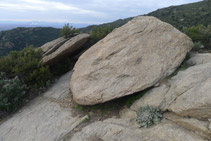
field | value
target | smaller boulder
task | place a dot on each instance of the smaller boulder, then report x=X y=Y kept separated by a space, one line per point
x=56 y=53
x=197 y=126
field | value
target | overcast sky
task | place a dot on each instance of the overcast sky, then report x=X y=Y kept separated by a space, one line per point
x=79 y=11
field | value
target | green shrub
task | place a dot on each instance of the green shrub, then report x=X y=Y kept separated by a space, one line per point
x=27 y=66
x=147 y=116
x=12 y=93
x=99 y=33
x=200 y=34
x=68 y=30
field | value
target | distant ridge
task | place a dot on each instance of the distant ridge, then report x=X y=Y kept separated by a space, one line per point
x=179 y=16
x=186 y=15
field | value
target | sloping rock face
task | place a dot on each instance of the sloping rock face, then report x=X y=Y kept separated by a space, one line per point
x=130 y=59
x=63 y=48
x=46 y=118
x=121 y=130
x=186 y=94
x=192 y=124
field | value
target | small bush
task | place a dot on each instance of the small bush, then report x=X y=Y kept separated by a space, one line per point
x=68 y=30
x=12 y=93
x=147 y=116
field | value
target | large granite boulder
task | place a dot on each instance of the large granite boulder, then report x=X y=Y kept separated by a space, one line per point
x=130 y=59
x=61 y=50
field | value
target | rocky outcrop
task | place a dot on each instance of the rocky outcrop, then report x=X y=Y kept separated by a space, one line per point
x=62 y=48
x=46 y=118
x=122 y=130
x=130 y=59
x=186 y=94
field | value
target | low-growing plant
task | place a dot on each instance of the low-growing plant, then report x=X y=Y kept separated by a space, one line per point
x=147 y=116
x=12 y=93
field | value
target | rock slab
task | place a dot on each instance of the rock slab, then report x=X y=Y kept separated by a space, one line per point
x=130 y=59
x=186 y=94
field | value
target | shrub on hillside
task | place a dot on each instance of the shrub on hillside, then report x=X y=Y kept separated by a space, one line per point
x=68 y=30
x=12 y=93
x=200 y=34
x=27 y=66
x=99 y=33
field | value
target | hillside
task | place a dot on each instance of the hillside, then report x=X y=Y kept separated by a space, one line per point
x=18 y=38
x=185 y=15
x=179 y=16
